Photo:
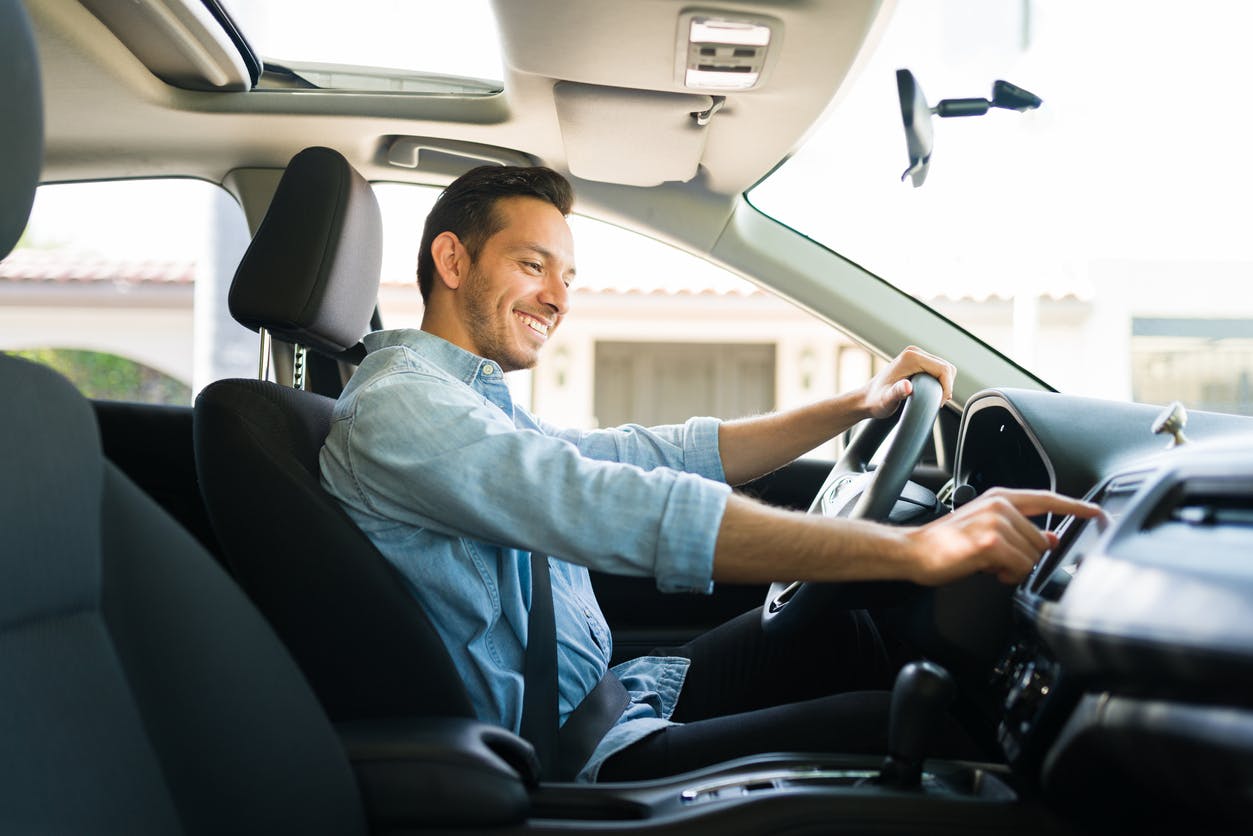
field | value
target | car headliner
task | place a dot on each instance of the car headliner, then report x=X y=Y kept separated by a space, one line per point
x=109 y=116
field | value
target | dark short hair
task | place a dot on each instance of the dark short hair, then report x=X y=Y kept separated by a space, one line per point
x=467 y=208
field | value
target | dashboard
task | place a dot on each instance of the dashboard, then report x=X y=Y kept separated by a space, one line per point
x=1124 y=673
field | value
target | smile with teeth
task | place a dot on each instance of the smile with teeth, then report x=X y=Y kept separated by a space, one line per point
x=539 y=326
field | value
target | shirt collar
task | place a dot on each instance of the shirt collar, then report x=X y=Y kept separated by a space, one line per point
x=484 y=376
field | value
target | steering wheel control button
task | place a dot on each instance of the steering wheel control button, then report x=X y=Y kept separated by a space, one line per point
x=962 y=495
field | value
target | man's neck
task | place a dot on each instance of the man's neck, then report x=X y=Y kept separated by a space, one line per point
x=447 y=328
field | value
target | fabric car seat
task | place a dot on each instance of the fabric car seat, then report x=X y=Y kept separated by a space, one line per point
x=140 y=692
x=311 y=276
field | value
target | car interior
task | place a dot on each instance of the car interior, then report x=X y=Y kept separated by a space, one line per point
x=194 y=637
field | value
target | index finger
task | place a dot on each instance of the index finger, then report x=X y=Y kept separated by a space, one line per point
x=1032 y=503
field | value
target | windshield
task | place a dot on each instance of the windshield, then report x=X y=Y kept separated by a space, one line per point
x=1101 y=241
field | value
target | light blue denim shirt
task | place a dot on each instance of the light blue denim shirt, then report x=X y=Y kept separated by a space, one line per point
x=456 y=486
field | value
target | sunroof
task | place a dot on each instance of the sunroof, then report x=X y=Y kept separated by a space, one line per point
x=411 y=46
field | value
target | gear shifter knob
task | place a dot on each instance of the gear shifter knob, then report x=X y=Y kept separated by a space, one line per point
x=920 y=697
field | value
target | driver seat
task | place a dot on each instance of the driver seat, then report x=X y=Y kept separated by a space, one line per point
x=311 y=276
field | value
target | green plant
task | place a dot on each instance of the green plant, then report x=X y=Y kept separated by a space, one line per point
x=105 y=376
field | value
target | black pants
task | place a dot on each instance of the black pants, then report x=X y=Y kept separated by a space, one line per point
x=747 y=693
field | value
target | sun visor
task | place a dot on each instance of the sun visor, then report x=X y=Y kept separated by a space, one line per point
x=631 y=137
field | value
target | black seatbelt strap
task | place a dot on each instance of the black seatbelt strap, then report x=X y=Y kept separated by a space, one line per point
x=540 y=715
x=562 y=753
x=588 y=723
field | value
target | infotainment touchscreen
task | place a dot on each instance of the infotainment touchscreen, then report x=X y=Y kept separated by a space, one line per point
x=1058 y=566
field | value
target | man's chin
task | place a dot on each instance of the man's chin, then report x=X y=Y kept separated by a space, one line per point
x=518 y=362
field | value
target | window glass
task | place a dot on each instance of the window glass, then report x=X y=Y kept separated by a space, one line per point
x=653 y=335
x=433 y=37
x=1051 y=234
x=122 y=286
x=100 y=374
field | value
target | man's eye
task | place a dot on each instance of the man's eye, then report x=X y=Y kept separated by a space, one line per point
x=533 y=265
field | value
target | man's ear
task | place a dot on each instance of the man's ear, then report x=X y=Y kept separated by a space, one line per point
x=451 y=259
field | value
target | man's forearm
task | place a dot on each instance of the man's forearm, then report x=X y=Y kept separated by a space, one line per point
x=992 y=534
x=752 y=447
x=760 y=544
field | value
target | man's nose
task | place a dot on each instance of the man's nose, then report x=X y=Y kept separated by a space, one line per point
x=555 y=295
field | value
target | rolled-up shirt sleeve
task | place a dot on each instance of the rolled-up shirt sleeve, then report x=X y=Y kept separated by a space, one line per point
x=691 y=446
x=628 y=501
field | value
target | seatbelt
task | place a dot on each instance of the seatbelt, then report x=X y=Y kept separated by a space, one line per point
x=588 y=723
x=540 y=714
x=562 y=753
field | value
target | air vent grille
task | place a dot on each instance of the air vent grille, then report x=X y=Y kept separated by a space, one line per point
x=1225 y=502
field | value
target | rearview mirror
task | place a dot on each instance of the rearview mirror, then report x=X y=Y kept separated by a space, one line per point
x=916 y=116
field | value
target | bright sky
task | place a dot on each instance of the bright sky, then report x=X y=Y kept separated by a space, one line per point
x=451 y=37
x=1138 y=152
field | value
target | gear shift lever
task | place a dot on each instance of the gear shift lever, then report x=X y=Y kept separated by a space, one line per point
x=920 y=697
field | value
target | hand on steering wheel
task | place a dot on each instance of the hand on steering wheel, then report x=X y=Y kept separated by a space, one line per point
x=852 y=490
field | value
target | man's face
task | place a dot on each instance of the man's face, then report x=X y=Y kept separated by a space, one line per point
x=515 y=293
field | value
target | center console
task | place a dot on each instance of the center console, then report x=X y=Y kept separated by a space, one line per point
x=1028 y=680
x=481 y=779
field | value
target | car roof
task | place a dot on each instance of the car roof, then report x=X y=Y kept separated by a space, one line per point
x=594 y=94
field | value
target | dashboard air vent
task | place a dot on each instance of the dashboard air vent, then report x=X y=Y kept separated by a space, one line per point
x=1219 y=502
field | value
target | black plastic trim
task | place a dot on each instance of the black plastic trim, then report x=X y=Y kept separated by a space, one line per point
x=251 y=59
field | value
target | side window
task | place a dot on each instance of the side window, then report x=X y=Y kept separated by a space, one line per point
x=121 y=286
x=654 y=335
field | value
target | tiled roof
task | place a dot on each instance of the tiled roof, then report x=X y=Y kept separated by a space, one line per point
x=30 y=265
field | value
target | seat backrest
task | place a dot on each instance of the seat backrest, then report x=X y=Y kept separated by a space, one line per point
x=140 y=692
x=311 y=275
x=341 y=608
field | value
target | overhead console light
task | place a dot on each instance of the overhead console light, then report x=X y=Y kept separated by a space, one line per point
x=722 y=51
x=714 y=31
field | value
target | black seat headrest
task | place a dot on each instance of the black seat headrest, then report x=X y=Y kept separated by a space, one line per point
x=311 y=273
x=21 y=113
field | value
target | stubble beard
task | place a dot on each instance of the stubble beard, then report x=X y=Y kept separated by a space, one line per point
x=489 y=328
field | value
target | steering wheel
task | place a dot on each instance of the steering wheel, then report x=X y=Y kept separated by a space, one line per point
x=852 y=490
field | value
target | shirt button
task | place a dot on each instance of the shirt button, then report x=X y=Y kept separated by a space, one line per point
x=488 y=369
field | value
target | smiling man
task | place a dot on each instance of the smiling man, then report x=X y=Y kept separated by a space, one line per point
x=458 y=487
